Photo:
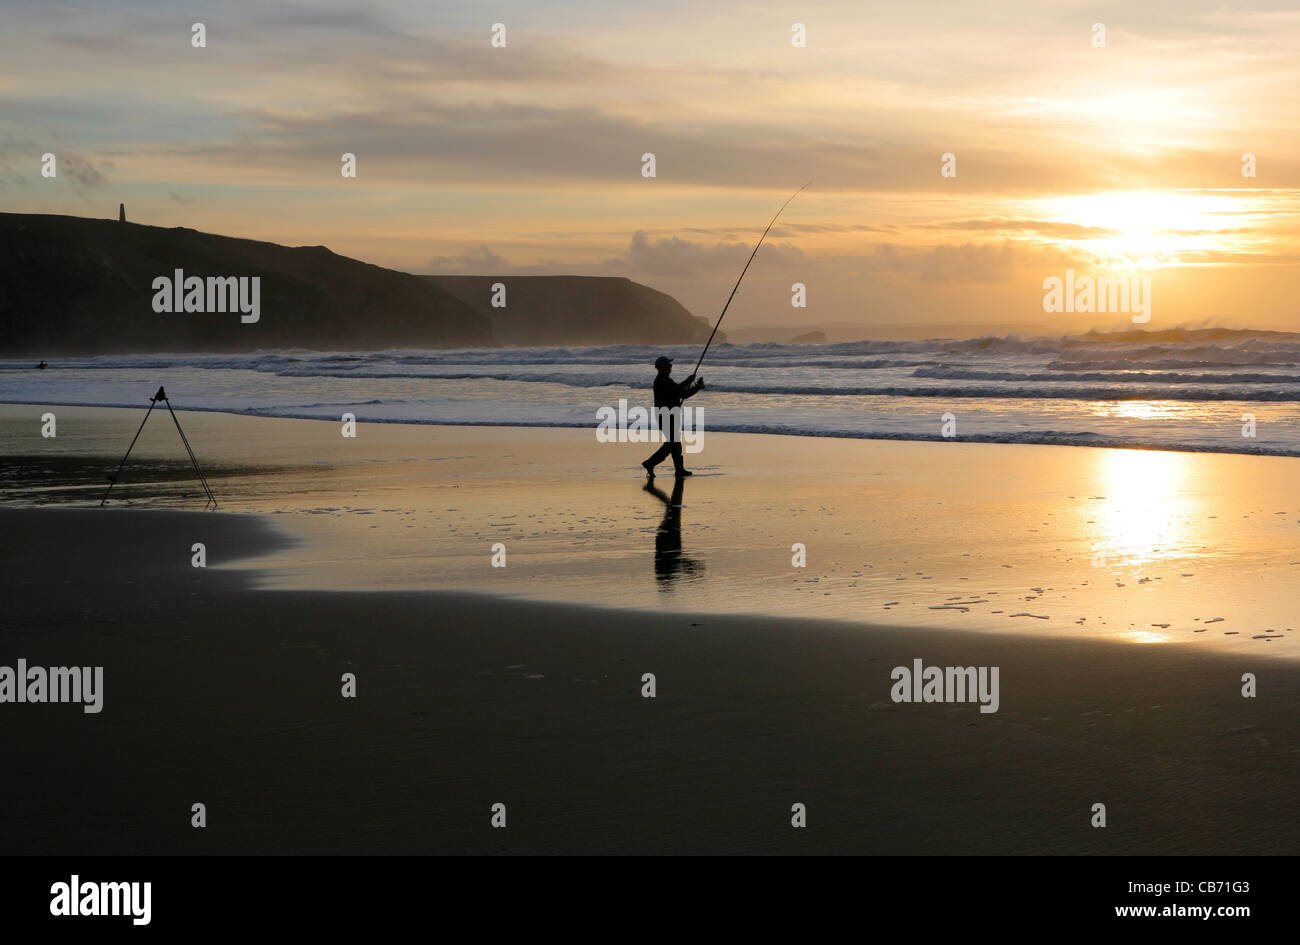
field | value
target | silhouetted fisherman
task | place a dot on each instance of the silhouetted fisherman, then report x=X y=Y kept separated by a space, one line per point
x=669 y=395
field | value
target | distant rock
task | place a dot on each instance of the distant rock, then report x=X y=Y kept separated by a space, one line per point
x=809 y=338
x=578 y=310
x=71 y=285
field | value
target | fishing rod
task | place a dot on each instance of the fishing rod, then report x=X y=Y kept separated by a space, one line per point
x=742 y=276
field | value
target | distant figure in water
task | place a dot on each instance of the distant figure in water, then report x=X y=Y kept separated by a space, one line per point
x=41 y=366
x=668 y=395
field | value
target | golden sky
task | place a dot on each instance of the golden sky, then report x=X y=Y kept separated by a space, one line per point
x=526 y=158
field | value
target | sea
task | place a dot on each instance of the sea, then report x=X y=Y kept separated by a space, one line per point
x=1206 y=389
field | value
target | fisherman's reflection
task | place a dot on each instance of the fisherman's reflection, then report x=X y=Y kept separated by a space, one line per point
x=670 y=563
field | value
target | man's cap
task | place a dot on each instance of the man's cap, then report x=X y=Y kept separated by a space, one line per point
x=663 y=361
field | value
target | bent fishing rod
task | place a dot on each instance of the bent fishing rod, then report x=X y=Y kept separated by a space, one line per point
x=742 y=276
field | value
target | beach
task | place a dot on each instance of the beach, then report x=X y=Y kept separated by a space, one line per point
x=1152 y=547
x=523 y=685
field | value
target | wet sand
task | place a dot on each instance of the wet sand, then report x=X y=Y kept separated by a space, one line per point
x=221 y=693
x=222 y=685
x=1152 y=548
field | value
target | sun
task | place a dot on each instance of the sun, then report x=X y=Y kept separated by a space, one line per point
x=1149 y=228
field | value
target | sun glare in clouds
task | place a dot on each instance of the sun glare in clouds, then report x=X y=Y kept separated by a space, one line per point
x=1149 y=229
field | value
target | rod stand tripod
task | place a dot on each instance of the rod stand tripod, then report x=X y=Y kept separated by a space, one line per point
x=153 y=402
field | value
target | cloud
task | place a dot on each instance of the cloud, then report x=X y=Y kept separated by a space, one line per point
x=419 y=94
x=74 y=170
x=676 y=258
x=671 y=259
x=478 y=261
x=1050 y=228
x=13 y=154
x=81 y=173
